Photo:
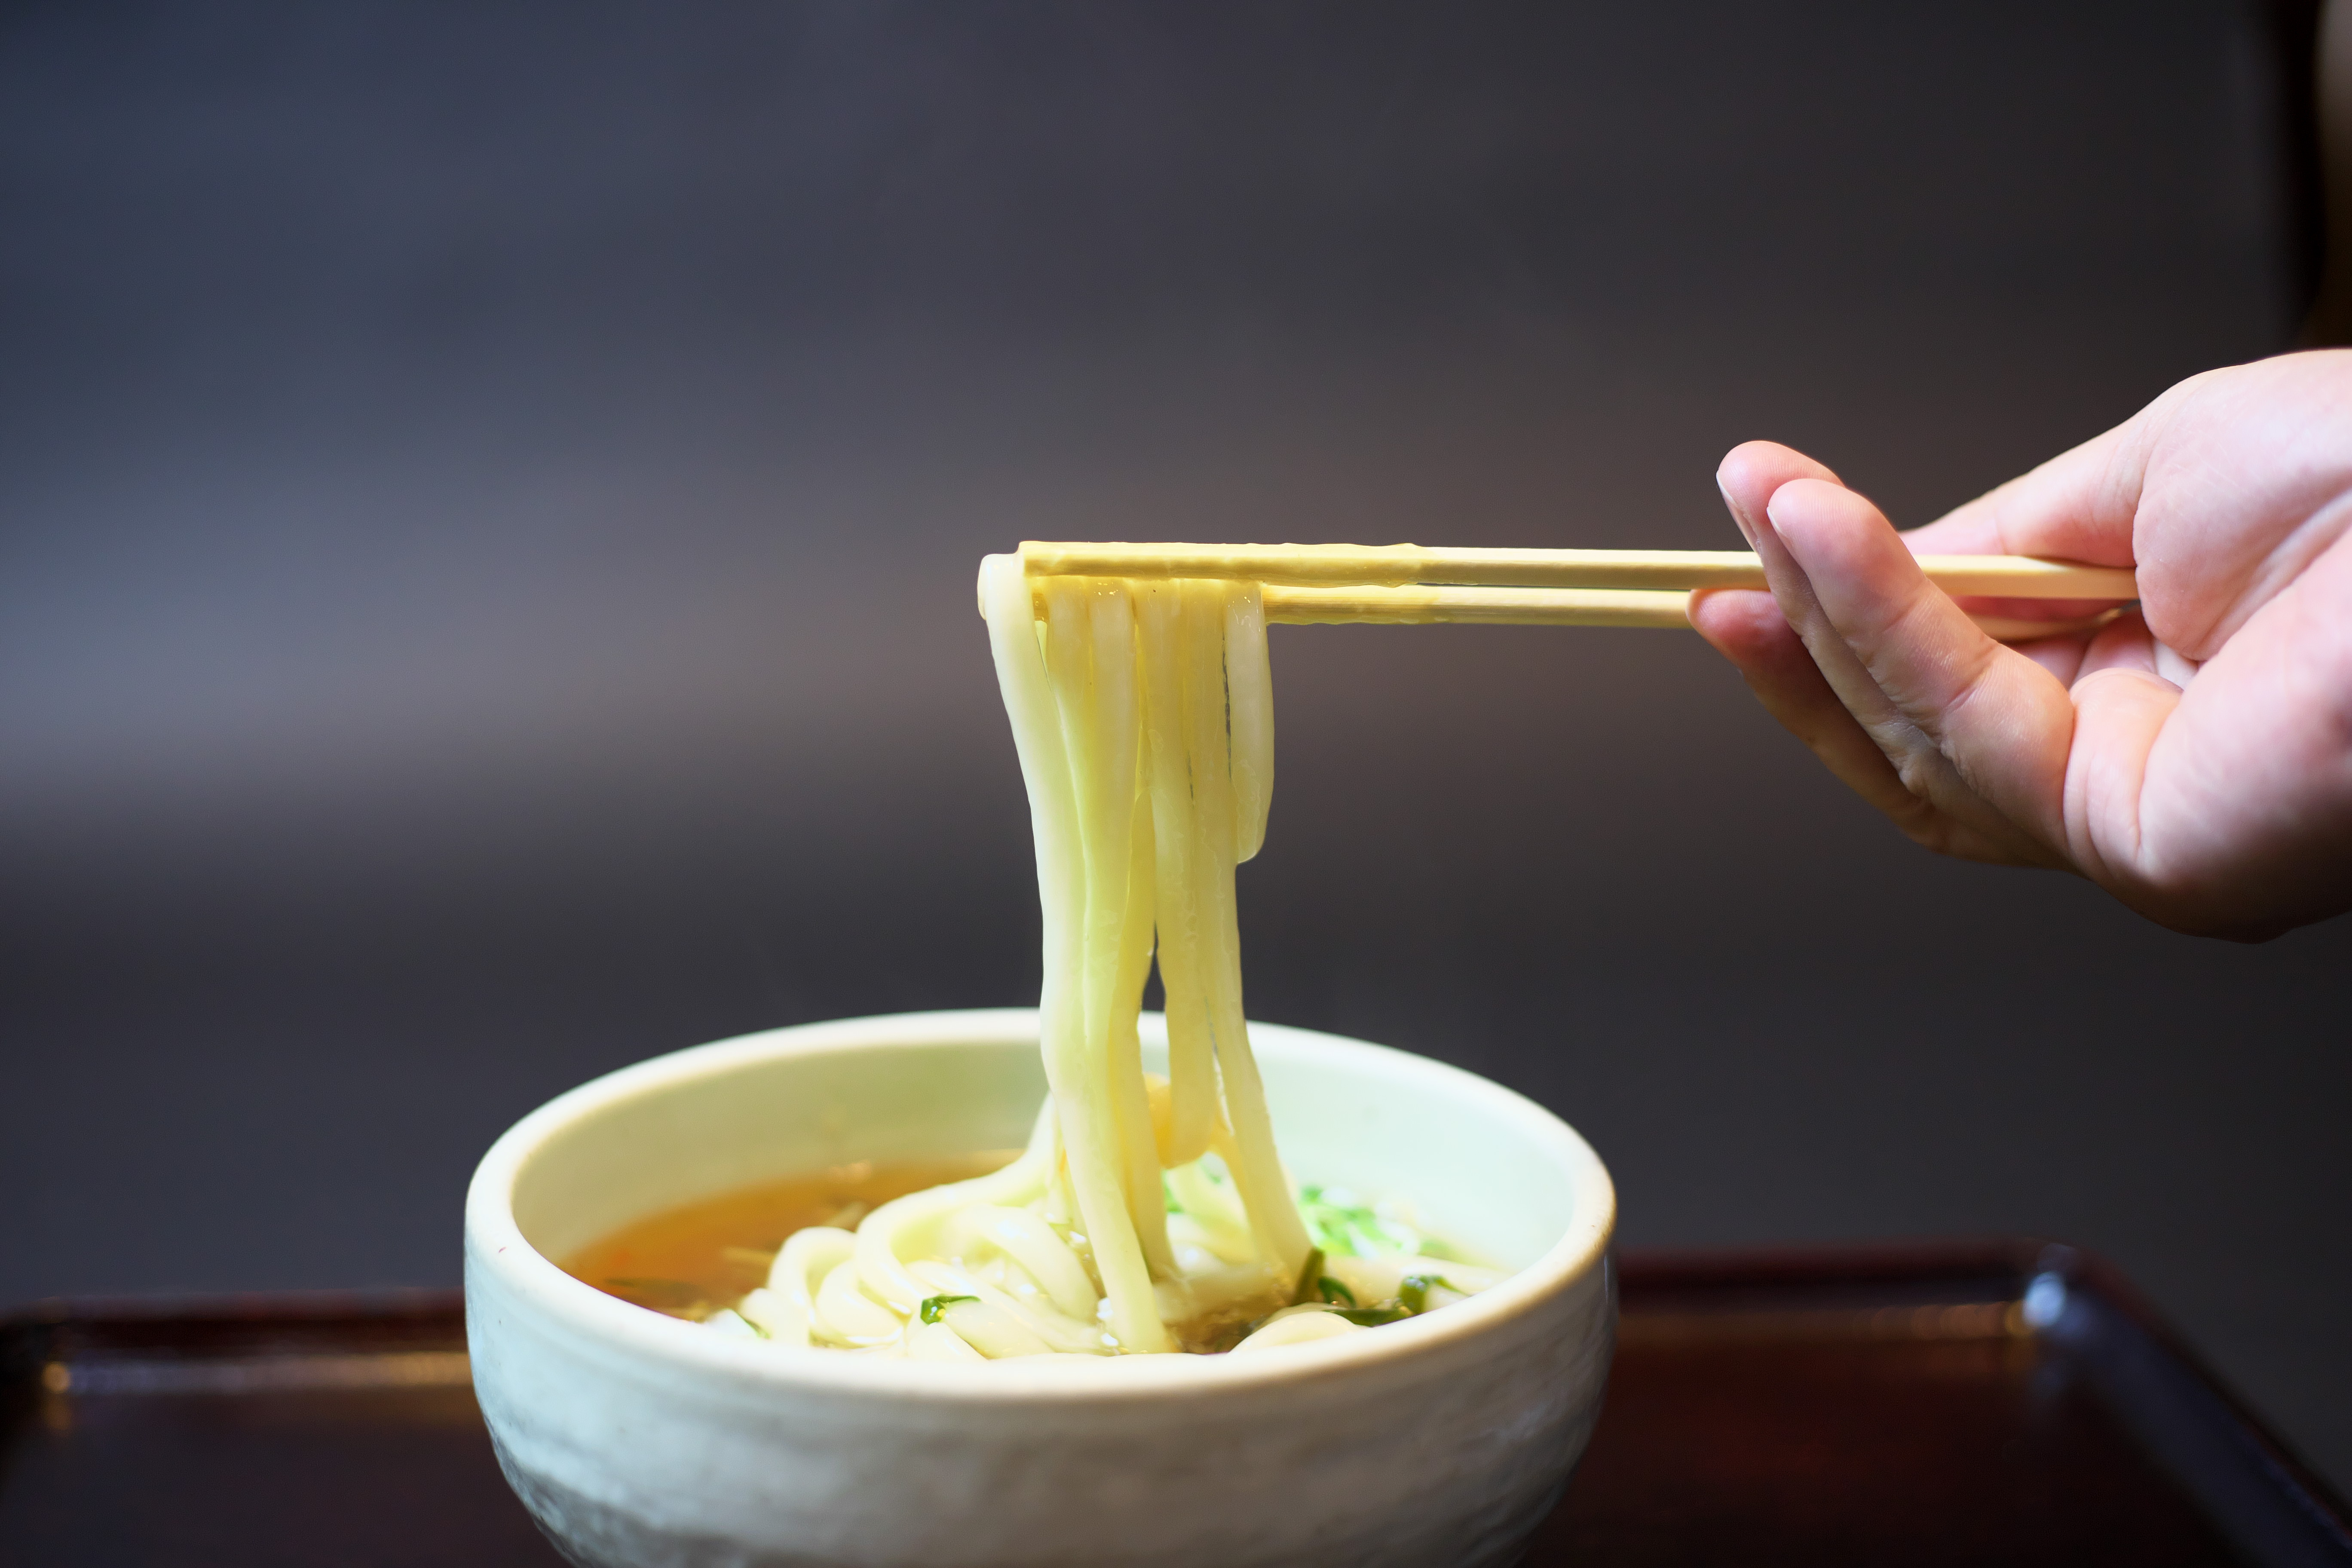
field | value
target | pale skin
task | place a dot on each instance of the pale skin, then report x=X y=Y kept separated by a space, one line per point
x=2194 y=758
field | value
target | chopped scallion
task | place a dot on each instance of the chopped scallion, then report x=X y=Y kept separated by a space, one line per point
x=1304 y=1292
x=1414 y=1292
x=1373 y=1317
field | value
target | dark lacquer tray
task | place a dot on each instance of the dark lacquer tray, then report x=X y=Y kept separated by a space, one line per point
x=2010 y=1403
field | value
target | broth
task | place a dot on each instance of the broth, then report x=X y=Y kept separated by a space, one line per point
x=687 y=1261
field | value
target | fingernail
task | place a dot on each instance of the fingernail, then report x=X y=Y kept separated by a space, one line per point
x=1747 y=528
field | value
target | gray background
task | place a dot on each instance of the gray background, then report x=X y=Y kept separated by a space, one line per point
x=489 y=498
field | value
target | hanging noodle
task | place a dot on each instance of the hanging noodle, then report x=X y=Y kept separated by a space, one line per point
x=1146 y=1215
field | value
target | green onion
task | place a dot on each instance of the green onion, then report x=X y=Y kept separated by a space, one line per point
x=1373 y=1317
x=1353 y=1229
x=1414 y=1292
x=1304 y=1292
x=1335 y=1290
x=934 y=1306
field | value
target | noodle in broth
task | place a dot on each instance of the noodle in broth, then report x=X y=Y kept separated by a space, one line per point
x=1145 y=1214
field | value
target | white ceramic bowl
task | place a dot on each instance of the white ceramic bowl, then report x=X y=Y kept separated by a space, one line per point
x=637 y=1439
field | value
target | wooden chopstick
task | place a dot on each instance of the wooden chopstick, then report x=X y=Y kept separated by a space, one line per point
x=1333 y=566
x=1423 y=605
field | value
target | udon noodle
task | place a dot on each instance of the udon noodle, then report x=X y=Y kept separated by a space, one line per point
x=1146 y=1213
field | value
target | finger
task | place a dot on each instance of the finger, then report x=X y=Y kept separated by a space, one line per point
x=2244 y=816
x=1751 y=631
x=2078 y=506
x=2256 y=448
x=2122 y=644
x=1792 y=590
x=2060 y=656
x=2119 y=712
x=1748 y=629
x=1975 y=728
x=1752 y=470
x=1758 y=635
x=1750 y=475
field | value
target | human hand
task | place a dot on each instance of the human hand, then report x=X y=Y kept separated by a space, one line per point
x=2194 y=757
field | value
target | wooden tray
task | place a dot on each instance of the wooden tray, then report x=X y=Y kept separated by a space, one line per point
x=2007 y=1402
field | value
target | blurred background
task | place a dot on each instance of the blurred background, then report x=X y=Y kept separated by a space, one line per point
x=490 y=496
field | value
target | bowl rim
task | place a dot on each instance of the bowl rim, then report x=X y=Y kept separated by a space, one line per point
x=496 y=1245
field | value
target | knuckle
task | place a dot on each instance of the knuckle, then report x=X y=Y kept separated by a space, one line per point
x=1922 y=769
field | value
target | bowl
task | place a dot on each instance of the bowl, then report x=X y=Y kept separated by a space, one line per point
x=637 y=1440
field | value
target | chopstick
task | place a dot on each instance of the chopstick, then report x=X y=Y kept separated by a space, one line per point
x=1332 y=567
x=1408 y=585
x=1422 y=605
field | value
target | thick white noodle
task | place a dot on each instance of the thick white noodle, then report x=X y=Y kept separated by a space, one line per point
x=1062 y=1334
x=1141 y=714
x=1024 y=1237
x=1159 y=697
x=1249 y=688
x=775 y=1317
x=1296 y=1326
x=847 y=1312
x=909 y=1225
x=1091 y=670
x=1256 y=1169
x=1192 y=1051
x=938 y=1342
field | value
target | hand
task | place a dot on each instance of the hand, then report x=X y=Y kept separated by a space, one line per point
x=2193 y=758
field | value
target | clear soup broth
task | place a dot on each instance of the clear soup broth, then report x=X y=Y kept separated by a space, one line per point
x=687 y=1261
